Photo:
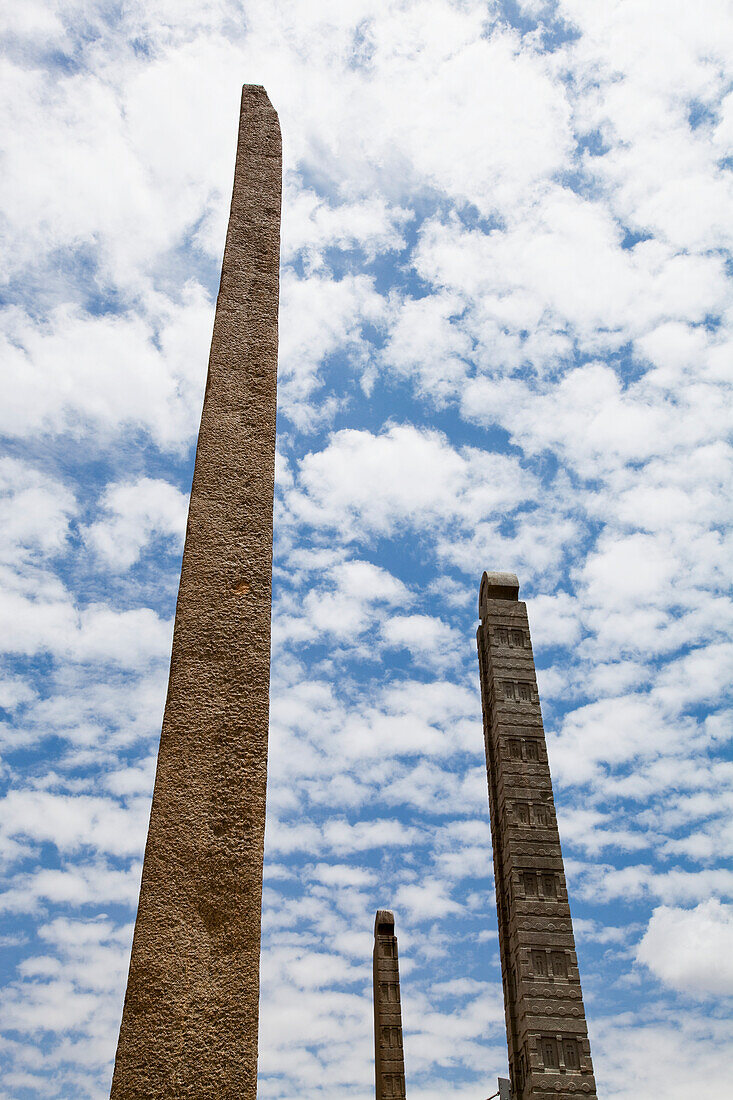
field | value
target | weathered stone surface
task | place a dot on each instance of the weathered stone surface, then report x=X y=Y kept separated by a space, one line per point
x=389 y=1061
x=189 y=1026
x=549 y=1052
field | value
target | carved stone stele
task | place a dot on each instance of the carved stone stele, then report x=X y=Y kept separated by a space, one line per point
x=189 y=1025
x=389 y=1059
x=549 y=1052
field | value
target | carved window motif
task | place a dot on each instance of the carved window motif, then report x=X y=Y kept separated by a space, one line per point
x=521 y=812
x=392 y=1038
x=539 y=883
x=531 y=751
x=502 y=635
x=525 y=691
x=508 y=689
x=522 y=1063
x=392 y=1086
x=386 y=949
x=517 y=638
x=559 y=964
x=389 y=992
x=539 y=963
x=542 y=815
x=519 y=1071
x=570 y=1054
x=548 y=1046
x=515 y=749
x=549 y=886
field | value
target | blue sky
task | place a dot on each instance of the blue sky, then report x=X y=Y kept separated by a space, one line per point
x=506 y=333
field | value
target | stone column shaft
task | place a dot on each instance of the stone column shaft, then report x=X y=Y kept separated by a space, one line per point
x=189 y=1025
x=389 y=1060
x=549 y=1052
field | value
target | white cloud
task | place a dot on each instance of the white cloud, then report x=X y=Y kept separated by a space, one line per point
x=320 y=316
x=428 y=787
x=585 y=929
x=428 y=639
x=312 y=225
x=72 y=996
x=534 y=543
x=490 y=123
x=691 y=949
x=659 y=1052
x=555 y=273
x=426 y=900
x=637 y=881
x=137 y=512
x=75 y=885
x=378 y=484
x=35 y=511
x=75 y=821
x=425 y=340
x=555 y=619
x=350 y=600
x=14 y=692
x=631 y=727
x=661 y=175
x=342 y=875
x=96 y=634
x=95 y=720
x=85 y=373
x=596 y=423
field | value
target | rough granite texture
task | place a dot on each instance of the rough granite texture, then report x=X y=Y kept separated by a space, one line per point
x=389 y=1062
x=549 y=1052
x=189 y=1025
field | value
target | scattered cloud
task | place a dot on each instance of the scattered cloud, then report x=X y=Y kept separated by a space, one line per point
x=135 y=513
x=691 y=949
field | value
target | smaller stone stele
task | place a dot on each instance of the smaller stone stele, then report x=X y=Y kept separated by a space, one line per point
x=389 y=1060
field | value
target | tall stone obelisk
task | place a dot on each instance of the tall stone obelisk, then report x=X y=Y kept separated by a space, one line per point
x=189 y=1025
x=389 y=1058
x=549 y=1052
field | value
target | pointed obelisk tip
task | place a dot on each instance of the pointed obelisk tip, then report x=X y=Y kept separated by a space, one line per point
x=497 y=586
x=255 y=95
x=259 y=130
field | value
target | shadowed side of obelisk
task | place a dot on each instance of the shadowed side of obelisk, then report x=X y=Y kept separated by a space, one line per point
x=189 y=1025
x=389 y=1059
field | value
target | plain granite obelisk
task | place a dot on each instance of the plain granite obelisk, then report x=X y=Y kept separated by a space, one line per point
x=389 y=1058
x=547 y=1035
x=189 y=1025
